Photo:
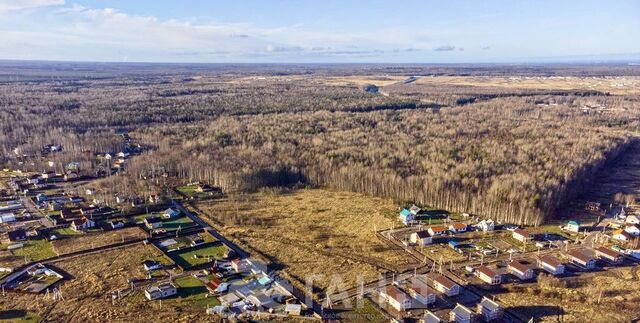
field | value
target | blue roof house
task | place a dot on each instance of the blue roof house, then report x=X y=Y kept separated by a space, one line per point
x=406 y=216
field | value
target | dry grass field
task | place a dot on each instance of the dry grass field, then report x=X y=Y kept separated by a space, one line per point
x=610 y=296
x=87 y=296
x=72 y=243
x=614 y=85
x=313 y=231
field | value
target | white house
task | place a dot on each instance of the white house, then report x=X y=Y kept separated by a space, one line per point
x=461 y=314
x=633 y=219
x=579 y=258
x=398 y=299
x=633 y=230
x=486 y=225
x=82 y=224
x=520 y=270
x=609 y=255
x=170 y=213
x=573 y=226
x=521 y=235
x=7 y=217
x=414 y=209
x=551 y=264
x=458 y=227
x=621 y=235
x=161 y=291
x=421 y=238
x=446 y=285
x=421 y=292
x=437 y=230
x=488 y=275
x=489 y=309
x=429 y=317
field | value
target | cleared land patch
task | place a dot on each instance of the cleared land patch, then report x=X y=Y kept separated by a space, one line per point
x=69 y=244
x=314 y=231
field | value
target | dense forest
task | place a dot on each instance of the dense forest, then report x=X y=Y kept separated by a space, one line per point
x=512 y=154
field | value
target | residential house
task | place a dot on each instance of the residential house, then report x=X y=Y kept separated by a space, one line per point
x=238 y=265
x=203 y=188
x=17 y=235
x=461 y=314
x=521 y=235
x=489 y=310
x=421 y=292
x=520 y=270
x=609 y=255
x=150 y=265
x=82 y=224
x=414 y=209
x=633 y=230
x=398 y=299
x=633 y=219
x=163 y=290
x=421 y=238
x=429 y=317
x=621 y=235
x=579 y=258
x=572 y=226
x=551 y=264
x=486 y=225
x=153 y=222
x=90 y=191
x=116 y=224
x=66 y=213
x=488 y=275
x=293 y=309
x=170 y=213
x=407 y=217
x=445 y=285
x=458 y=227
x=260 y=299
x=437 y=230
x=7 y=217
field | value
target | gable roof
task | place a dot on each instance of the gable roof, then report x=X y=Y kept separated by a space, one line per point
x=519 y=266
x=580 y=255
x=489 y=304
x=444 y=281
x=551 y=261
x=608 y=251
x=459 y=225
x=487 y=271
x=395 y=293
x=423 y=234
x=438 y=228
x=522 y=232
x=623 y=233
x=405 y=212
x=462 y=311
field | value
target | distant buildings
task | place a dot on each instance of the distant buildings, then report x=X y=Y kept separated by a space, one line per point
x=458 y=227
x=406 y=216
x=573 y=226
x=437 y=230
x=486 y=225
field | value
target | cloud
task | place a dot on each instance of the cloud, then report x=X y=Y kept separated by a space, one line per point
x=13 y=5
x=486 y=47
x=445 y=48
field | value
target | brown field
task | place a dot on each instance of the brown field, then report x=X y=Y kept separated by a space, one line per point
x=614 y=85
x=87 y=296
x=313 y=231
x=616 y=289
x=86 y=241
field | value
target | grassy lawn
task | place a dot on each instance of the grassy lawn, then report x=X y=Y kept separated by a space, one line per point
x=193 y=291
x=62 y=232
x=199 y=256
x=368 y=312
x=35 y=250
x=18 y=316
x=174 y=224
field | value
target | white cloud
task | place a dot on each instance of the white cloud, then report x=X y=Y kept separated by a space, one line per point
x=11 y=5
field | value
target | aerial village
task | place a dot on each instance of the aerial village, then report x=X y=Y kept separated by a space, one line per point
x=48 y=217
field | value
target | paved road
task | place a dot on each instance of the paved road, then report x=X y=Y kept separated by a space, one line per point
x=34 y=211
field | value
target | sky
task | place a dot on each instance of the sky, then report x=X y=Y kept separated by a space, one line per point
x=327 y=31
